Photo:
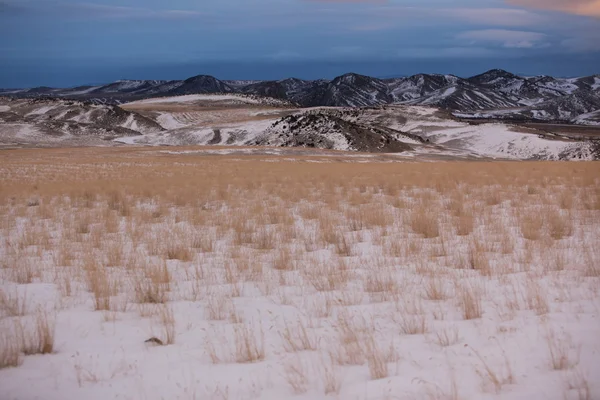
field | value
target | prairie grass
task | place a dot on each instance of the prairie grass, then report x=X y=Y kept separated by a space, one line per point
x=314 y=264
x=10 y=351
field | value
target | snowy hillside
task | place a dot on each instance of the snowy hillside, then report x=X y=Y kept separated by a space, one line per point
x=495 y=93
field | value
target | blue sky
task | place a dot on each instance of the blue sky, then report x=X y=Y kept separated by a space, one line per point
x=71 y=42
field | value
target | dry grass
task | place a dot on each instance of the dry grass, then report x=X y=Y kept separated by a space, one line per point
x=411 y=324
x=330 y=374
x=10 y=351
x=447 y=336
x=563 y=353
x=296 y=376
x=12 y=303
x=531 y=225
x=470 y=301
x=425 y=222
x=167 y=322
x=344 y=255
x=36 y=335
x=178 y=251
x=99 y=283
x=298 y=338
x=377 y=361
x=494 y=377
x=249 y=343
x=559 y=225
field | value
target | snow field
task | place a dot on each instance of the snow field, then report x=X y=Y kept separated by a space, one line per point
x=291 y=280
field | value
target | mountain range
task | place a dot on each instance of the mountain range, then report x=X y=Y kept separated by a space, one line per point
x=495 y=94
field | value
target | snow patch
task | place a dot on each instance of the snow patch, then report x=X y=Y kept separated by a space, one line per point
x=168 y=121
x=40 y=111
x=197 y=97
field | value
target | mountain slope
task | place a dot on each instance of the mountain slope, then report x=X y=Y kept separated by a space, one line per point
x=416 y=86
x=492 y=94
x=45 y=121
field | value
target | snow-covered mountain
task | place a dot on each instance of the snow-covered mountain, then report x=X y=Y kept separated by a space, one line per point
x=234 y=119
x=43 y=122
x=417 y=86
x=493 y=94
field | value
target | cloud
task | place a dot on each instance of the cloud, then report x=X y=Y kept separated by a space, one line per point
x=372 y=27
x=447 y=52
x=505 y=38
x=495 y=16
x=285 y=55
x=589 y=8
x=91 y=10
x=99 y=10
x=475 y=16
x=9 y=7
x=350 y=1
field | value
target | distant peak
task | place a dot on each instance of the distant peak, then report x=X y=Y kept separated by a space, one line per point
x=201 y=77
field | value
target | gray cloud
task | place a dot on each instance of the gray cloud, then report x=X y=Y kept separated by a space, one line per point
x=505 y=38
x=579 y=7
x=90 y=10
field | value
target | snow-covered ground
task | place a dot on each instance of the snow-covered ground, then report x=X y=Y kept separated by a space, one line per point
x=499 y=140
x=296 y=281
x=224 y=120
x=199 y=97
x=168 y=121
x=491 y=140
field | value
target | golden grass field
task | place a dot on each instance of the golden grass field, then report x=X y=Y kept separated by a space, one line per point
x=296 y=277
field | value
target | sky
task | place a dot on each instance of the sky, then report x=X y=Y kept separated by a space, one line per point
x=72 y=42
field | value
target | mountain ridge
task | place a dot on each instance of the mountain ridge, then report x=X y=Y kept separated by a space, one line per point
x=494 y=94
